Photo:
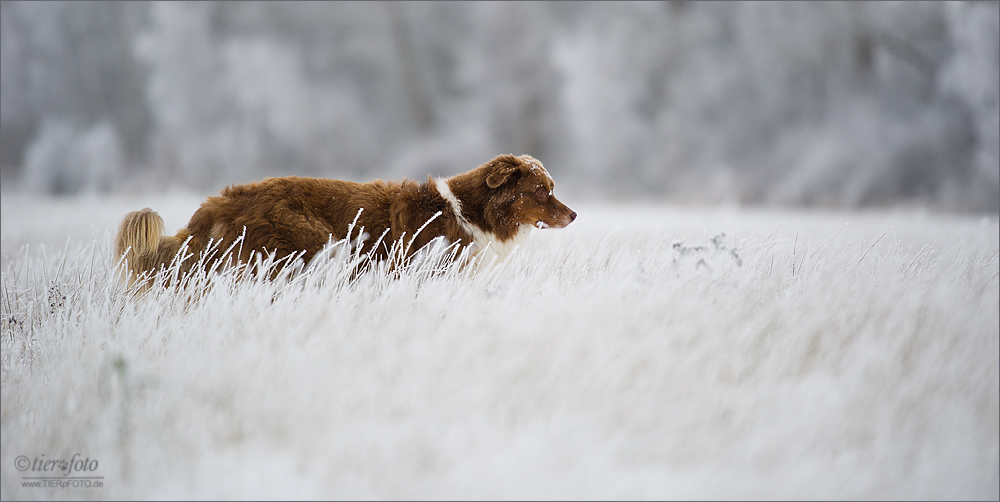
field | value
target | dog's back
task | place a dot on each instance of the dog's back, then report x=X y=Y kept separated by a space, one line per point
x=290 y=215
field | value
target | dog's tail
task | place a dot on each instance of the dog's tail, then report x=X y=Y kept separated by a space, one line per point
x=142 y=245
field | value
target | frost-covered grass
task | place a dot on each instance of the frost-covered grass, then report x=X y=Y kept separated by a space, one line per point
x=643 y=351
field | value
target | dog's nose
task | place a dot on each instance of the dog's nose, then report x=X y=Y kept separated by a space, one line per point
x=572 y=216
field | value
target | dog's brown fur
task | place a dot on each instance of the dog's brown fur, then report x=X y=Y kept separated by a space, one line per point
x=495 y=203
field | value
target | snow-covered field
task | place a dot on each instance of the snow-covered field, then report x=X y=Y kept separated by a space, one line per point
x=642 y=352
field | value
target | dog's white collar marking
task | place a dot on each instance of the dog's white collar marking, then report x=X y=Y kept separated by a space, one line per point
x=483 y=239
x=456 y=206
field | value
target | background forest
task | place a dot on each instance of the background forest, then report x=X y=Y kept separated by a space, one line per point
x=830 y=104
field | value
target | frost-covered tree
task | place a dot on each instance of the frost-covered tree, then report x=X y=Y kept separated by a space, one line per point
x=70 y=63
x=65 y=159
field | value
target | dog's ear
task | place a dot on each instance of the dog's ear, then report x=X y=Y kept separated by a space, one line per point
x=500 y=170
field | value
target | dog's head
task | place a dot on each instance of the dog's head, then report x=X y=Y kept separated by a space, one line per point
x=521 y=194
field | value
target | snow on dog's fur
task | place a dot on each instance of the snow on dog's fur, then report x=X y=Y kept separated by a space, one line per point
x=492 y=207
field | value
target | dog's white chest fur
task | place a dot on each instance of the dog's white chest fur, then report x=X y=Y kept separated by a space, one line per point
x=483 y=240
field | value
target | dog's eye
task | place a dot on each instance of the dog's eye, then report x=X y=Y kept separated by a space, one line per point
x=541 y=193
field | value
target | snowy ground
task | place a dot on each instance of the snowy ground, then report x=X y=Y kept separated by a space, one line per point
x=638 y=353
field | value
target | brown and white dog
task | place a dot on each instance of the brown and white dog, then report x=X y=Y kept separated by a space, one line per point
x=491 y=207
